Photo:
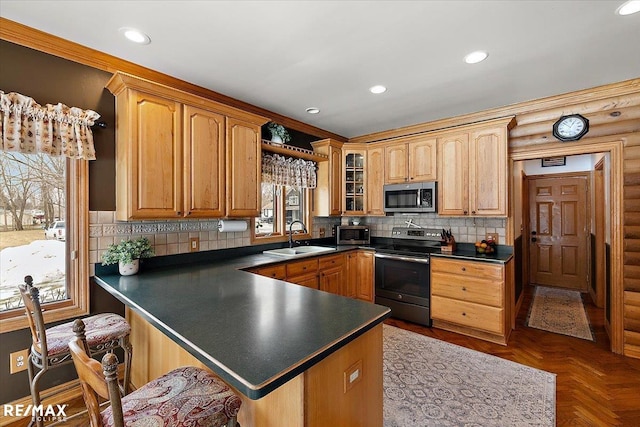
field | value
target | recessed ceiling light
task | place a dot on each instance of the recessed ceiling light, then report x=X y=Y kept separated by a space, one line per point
x=377 y=89
x=628 y=7
x=475 y=57
x=135 y=36
x=312 y=110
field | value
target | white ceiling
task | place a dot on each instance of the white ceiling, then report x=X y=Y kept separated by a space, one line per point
x=286 y=56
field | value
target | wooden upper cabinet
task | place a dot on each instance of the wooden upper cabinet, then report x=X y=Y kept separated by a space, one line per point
x=453 y=197
x=204 y=162
x=149 y=157
x=488 y=171
x=327 y=196
x=472 y=170
x=354 y=173
x=411 y=159
x=244 y=162
x=170 y=154
x=375 y=181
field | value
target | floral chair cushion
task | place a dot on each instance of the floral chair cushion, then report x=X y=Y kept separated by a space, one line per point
x=186 y=396
x=101 y=328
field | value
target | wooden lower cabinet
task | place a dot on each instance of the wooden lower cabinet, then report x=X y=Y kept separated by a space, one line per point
x=317 y=397
x=348 y=274
x=473 y=298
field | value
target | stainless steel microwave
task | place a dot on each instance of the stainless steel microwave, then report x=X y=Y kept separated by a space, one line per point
x=412 y=197
x=353 y=235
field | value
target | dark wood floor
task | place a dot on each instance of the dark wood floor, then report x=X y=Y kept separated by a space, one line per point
x=594 y=387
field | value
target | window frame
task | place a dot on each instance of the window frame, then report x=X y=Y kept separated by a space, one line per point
x=280 y=215
x=77 y=257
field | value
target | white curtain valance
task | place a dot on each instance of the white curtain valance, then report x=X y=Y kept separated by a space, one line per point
x=296 y=173
x=57 y=130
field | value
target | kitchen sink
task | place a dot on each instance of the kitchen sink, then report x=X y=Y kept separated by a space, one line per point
x=299 y=251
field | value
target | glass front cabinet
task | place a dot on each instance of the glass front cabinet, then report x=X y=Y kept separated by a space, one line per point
x=354 y=182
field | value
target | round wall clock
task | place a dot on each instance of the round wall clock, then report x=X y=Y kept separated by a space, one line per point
x=571 y=128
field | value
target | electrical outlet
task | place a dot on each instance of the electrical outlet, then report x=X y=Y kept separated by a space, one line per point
x=492 y=236
x=322 y=231
x=194 y=244
x=18 y=361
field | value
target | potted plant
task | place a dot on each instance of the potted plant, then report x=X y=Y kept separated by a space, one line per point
x=279 y=133
x=127 y=254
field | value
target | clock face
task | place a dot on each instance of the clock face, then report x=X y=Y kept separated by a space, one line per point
x=571 y=128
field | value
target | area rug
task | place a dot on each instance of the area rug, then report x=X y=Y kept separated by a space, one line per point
x=428 y=382
x=560 y=311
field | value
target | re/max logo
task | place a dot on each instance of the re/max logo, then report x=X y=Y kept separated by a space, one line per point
x=40 y=411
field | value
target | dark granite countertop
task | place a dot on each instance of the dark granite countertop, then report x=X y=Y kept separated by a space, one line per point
x=254 y=332
x=502 y=256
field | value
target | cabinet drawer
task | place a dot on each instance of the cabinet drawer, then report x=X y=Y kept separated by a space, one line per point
x=475 y=269
x=331 y=261
x=479 y=291
x=274 y=271
x=298 y=268
x=469 y=314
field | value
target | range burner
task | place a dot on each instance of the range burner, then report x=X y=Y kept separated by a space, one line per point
x=413 y=241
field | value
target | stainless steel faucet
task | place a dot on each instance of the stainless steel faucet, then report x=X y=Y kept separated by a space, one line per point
x=304 y=228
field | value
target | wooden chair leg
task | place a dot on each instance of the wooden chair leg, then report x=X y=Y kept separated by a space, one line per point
x=128 y=351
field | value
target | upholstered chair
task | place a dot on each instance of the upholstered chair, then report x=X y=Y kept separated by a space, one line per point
x=50 y=347
x=186 y=396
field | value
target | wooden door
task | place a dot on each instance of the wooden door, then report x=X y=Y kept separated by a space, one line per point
x=327 y=196
x=422 y=160
x=453 y=194
x=335 y=192
x=332 y=279
x=395 y=157
x=375 y=181
x=558 y=231
x=156 y=158
x=243 y=169
x=488 y=172
x=204 y=170
x=597 y=288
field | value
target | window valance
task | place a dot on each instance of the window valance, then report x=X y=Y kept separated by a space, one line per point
x=296 y=173
x=57 y=130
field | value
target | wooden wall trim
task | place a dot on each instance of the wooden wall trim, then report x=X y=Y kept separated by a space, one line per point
x=22 y=35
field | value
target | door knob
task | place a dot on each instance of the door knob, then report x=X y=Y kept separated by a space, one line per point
x=533 y=239
x=533 y=233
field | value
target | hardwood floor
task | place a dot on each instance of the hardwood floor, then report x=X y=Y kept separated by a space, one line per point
x=594 y=387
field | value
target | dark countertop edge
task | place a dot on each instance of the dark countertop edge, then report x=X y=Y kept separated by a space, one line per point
x=252 y=392
x=475 y=257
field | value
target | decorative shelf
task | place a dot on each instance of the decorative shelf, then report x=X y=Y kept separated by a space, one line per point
x=290 y=150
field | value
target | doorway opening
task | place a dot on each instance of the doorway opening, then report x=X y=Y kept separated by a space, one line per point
x=564 y=215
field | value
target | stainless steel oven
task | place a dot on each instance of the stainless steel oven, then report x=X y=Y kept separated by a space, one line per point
x=402 y=273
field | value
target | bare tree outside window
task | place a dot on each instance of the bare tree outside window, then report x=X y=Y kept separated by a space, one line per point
x=32 y=226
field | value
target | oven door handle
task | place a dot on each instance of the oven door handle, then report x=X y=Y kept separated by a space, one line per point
x=403 y=258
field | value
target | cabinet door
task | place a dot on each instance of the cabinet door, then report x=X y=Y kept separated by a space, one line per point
x=453 y=174
x=204 y=171
x=353 y=178
x=309 y=280
x=395 y=158
x=351 y=284
x=375 y=181
x=149 y=158
x=332 y=279
x=365 y=275
x=422 y=160
x=335 y=183
x=488 y=172
x=243 y=168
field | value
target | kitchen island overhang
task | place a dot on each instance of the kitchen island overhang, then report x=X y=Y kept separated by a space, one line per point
x=256 y=333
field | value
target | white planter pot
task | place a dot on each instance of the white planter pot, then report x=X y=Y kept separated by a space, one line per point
x=129 y=269
x=276 y=139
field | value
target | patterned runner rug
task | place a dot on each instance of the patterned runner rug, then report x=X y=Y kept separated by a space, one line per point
x=560 y=311
x=428 y=382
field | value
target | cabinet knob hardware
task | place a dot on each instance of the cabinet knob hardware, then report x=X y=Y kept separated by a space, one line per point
x=464 y=289
x=473 y=212
x=464 y=314
x=465 y=212
x=178 y=213
x=464 y=268
x=189 y=213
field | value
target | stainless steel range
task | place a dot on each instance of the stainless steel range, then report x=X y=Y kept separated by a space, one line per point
x=402 y=277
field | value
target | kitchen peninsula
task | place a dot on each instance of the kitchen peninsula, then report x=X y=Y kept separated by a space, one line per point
x=296 y=355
